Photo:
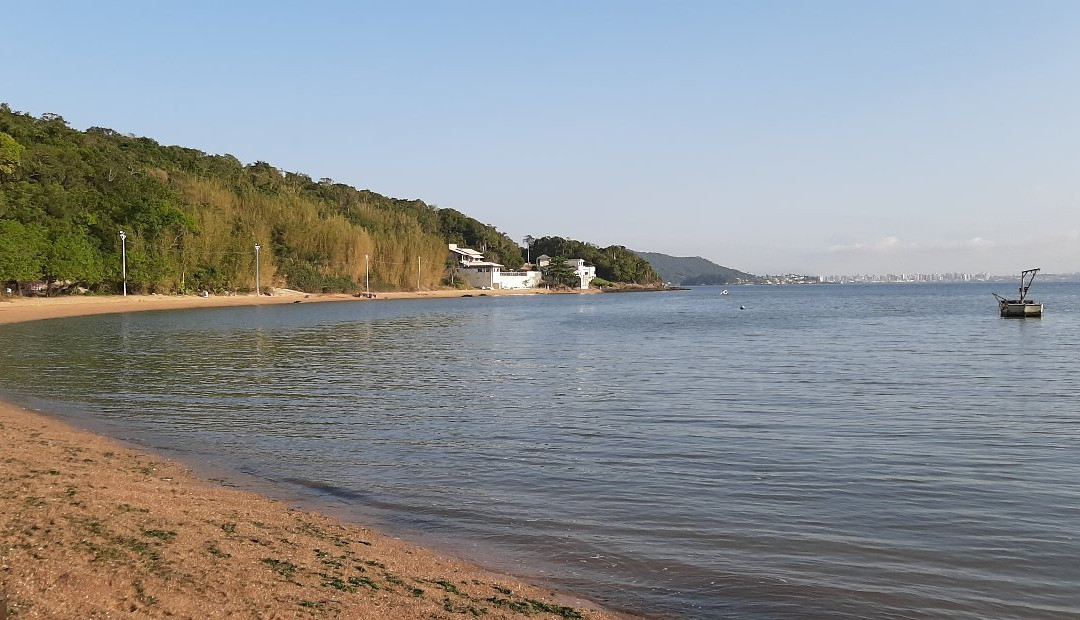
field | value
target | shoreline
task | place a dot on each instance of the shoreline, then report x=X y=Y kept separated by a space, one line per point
x=21 y=309
x=93 y=526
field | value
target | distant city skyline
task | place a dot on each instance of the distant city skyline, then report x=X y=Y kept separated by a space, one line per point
x=771 y=137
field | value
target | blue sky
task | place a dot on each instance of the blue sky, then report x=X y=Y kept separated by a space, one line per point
x=813 y=137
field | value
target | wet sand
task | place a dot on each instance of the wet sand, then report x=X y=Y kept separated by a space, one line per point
x=93 y=528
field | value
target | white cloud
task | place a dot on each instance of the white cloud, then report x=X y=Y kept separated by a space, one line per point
x=883 y=245
x=977 y=243
x=892 y=245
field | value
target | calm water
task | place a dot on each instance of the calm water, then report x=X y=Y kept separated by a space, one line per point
x=862 y=451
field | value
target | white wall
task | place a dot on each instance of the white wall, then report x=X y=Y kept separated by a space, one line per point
x=479 y=277
x=519 y=279
x=495 y=278
x=586 y=274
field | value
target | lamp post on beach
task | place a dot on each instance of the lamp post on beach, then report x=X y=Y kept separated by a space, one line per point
x=123 y=259
x=258 y=288
x=367 y=276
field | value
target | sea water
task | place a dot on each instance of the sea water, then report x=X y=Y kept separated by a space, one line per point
x=796 y=451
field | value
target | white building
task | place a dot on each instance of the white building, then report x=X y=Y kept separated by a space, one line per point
x=483 y=274
x=585 y=273
x=466 y=256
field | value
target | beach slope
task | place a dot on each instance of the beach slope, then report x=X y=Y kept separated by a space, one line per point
x=91 y=527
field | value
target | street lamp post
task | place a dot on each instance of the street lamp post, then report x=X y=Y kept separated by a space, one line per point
x=123 y=259
x=367 y=276
x=258 y=288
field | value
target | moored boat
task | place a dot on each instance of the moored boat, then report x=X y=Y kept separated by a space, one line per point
x=1021 y=307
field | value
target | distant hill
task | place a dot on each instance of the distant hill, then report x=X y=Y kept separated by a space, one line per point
x=694 y=270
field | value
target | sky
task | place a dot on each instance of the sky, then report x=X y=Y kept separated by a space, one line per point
x=816 y=137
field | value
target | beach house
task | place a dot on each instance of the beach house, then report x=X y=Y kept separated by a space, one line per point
x=585 y=273
x=473 y=268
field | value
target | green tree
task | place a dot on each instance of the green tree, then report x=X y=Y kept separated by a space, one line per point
x=559 y=273
x=10 y=153
x=72 y=256
x=21 y=249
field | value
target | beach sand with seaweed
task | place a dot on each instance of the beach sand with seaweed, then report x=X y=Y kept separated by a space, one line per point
x=94 y=528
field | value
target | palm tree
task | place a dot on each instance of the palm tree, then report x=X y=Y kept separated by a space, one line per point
x=528 y=240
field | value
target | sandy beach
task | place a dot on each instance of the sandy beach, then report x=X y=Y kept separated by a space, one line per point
x=93 y=528
x=17 y=309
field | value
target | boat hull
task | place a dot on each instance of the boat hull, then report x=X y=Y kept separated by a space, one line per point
x=1020 y=310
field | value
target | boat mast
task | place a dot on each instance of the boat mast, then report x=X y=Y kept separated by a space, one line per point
x=1024 y=287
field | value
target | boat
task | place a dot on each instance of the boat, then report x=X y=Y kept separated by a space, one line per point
x=1022 y=307
x=724 y=292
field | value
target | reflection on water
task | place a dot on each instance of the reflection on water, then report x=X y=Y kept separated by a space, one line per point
x=857 y=451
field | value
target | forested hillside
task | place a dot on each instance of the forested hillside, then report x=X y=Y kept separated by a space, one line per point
x=192 y=219
x=694 y=270
x=614 y=263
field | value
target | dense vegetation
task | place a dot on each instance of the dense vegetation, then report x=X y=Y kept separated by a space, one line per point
x=614 y=263
x=192 y=219
x=467 y=232
x=694 y=270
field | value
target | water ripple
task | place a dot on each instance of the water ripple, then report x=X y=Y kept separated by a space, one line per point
x=896 y=459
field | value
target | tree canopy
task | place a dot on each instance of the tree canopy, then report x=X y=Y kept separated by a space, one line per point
x=465 y=231
x=10 y=153
x=614 y=263
x=192 y=220
x=559 y=273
